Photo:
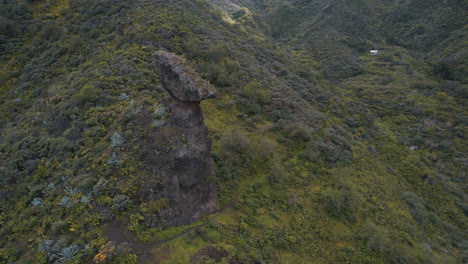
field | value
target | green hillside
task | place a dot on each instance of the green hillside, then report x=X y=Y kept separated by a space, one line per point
x=323 y=153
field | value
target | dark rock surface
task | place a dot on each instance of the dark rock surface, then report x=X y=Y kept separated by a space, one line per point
x=180 y=80
x=192 y=164
x=179 y=159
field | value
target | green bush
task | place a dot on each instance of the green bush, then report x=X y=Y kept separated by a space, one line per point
x=256 y=92
x=328 y=151
x=298 y=131
x=449 y=69
x=334 y=202
x=7 y=27
x=235 y=142
x=121 y=202
x=416 y=206
x=127 y=259
x=60 y=227
x=51 y=32
x=75 y=44
x=253 y=109
x=277 y=174
x=343 y=67
x=376 y=237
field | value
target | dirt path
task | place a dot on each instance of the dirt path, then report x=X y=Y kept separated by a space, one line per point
x=117 y=232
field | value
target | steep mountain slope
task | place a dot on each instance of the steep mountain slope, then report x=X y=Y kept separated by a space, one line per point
x=322 y=152
x=340 y=31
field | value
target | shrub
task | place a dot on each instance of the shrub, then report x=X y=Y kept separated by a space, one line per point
x=252 y=109
x=135 y=108
x=127 y=259
x=59 y=227
x=277 y=174
x=106 y=253
x=335 y=202
x=343 y=67
x=342 y=200
x=160 y=111
x=256 y=92
x=416 y=206
x=159 y=123
x=66 y=201
x=298 y=131
x=54 y=249
x=114 y=160
x=37 y=202
x=328 y=151
x=68 y=253
x=96 y=132
x=120 y=202
x=234 y=141
x=75 y=44
x=216 y=75
x=20 y=11
x=92 y=95
x=455 y=89
x=216 y=53
x=72 y=191
x=84 y=200
x=51 y=32
x=376 y=237
x=446 y=68
x=7 y=27
x=100 y=186
x=124 y=97
x=87 y=183
x=117 y=140
x=46 y=245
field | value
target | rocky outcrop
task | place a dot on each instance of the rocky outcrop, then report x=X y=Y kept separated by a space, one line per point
x=180 y=80
x=180 y=158
x=192 y=163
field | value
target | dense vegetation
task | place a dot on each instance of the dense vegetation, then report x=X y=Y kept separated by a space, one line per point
x=324 y=153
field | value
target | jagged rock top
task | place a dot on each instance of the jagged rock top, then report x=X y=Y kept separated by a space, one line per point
x=180 y=80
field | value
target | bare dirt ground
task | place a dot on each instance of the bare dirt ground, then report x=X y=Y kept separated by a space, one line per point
x=117 y=232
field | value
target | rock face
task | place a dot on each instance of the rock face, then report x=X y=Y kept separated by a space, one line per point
x=180 y=80
x=181 y=162
x=192 y=164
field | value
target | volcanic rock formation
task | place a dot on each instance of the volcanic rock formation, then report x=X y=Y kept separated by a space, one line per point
x=181 y=81
x=178 y=154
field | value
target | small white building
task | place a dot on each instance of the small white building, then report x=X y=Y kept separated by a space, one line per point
x=374 y=52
